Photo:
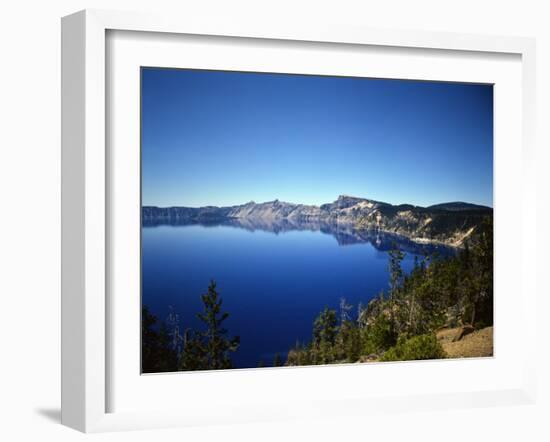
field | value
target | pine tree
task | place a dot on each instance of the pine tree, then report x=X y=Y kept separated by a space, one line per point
x=481 y=296
x=396 y=279
x=156 y=355
x=193 y=355
x=215 y=345
x=325 y=329
x=396 y=272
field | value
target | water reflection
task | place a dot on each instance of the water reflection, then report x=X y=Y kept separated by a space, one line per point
x=345 y=234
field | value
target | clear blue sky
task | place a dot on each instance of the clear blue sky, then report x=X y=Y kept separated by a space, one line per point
x=224 y=138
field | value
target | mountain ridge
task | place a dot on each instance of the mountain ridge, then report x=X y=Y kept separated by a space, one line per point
x=450 y=223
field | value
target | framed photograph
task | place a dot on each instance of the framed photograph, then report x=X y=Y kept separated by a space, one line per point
x=277 y=223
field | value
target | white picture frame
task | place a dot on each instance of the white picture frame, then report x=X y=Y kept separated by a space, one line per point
x=87 y=204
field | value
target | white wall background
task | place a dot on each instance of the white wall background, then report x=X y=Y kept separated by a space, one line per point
x=30 y=215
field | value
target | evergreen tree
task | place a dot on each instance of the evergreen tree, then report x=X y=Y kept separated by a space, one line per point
x=193 y=355
x=325 y=326
x=481 y=299
x=396 y=272
x=396 y=278
x=215 y=346
x=157 y=356
x=325 y=329
x=300 y=355
x=351 y=341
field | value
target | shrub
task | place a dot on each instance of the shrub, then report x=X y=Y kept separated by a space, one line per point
x=415 y=348
x=299 y=355
x=380 y=335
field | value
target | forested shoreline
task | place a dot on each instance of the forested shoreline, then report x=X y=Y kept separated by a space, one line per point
x=401 y=324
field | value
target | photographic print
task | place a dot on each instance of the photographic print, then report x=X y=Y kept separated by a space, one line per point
x=299 y=220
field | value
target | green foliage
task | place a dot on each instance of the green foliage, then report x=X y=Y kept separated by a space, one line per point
x=299 y=355
x=193 y=356
x=379 y=336
x=157 y=355
x=351 y=341
x=415 y=348
x=211 y=348
x=207 y=349
x=439 y=291
x=396 y=272
x=483 y=263
x=325 y=329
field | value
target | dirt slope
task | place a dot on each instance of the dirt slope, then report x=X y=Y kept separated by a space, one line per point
x=475 y=345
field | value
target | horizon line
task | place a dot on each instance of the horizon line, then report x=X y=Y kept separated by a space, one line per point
x=318 y=205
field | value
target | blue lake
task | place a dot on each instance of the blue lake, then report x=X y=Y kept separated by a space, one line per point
x=274 y=279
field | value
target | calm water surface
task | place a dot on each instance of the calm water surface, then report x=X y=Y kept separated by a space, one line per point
x=274 y=280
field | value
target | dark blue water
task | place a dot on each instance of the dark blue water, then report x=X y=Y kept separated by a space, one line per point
x=273 y=280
